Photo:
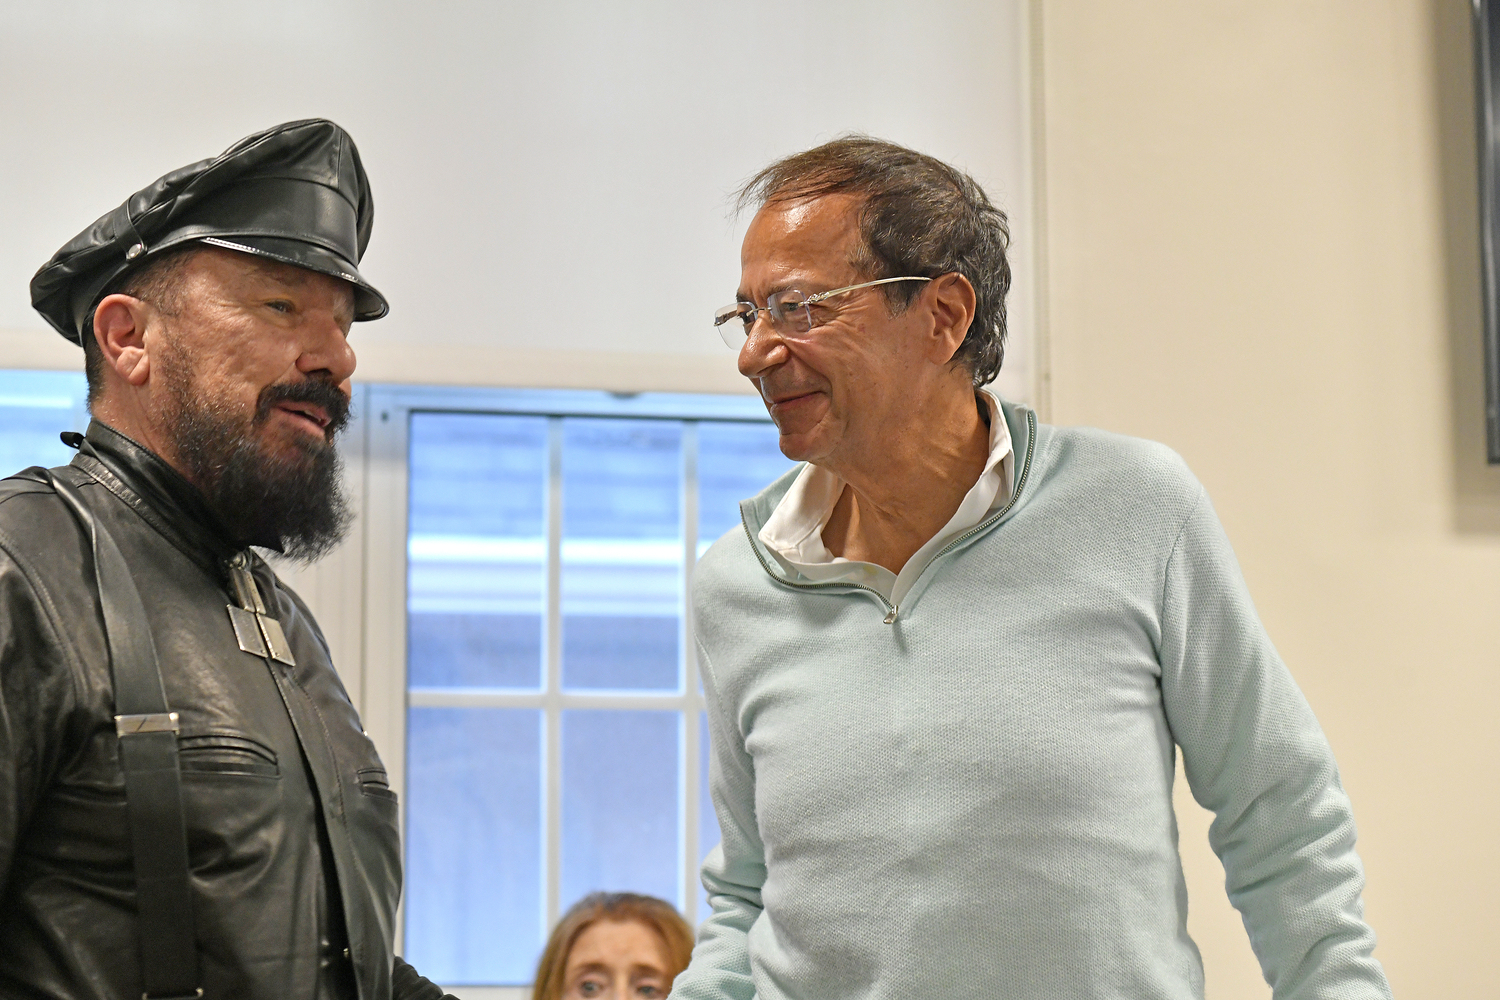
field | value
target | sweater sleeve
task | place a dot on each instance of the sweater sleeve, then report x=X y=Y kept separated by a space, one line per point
x=1255 y=755
x=733 y=872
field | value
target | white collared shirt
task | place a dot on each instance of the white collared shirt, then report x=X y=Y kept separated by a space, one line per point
x=794 y=531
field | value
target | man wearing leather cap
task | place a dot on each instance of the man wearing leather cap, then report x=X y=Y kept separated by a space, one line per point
x=188 y=803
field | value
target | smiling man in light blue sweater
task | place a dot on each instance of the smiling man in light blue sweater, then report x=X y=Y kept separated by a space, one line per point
x=951 y=657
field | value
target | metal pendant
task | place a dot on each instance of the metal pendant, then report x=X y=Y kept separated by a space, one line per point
x=281 y=650
x=245 y=590
x=246 y=630
x=256 y=631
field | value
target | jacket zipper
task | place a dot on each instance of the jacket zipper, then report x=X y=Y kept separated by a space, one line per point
x=891 y=610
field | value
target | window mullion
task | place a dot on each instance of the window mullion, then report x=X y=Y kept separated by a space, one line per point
x=384 y=537
x=688 y=797
x=543 y=701
x=552 y=719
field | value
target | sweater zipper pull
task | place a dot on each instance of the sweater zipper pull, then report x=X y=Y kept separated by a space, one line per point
x=890 y=618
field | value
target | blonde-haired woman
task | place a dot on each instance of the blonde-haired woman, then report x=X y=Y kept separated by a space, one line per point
x=614 y=946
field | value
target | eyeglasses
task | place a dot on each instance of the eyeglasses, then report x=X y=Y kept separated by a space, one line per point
x=789 y=311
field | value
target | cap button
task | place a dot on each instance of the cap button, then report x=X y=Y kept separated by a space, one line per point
x=135 y=251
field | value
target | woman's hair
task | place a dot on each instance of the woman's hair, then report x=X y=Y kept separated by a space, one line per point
x=620 y=907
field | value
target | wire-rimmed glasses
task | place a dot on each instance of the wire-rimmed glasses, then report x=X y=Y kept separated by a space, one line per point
x=789 y=311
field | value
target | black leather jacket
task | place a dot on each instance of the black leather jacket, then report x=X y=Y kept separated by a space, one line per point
x=292 y=829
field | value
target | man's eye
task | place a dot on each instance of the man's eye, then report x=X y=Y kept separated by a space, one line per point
x=281 y=306
x=793 y=314
x=648 y=991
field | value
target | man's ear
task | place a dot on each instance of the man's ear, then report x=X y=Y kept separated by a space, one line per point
x=953 y=304
x=120 y=330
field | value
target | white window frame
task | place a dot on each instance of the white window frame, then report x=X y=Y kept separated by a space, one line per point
x=359 y=596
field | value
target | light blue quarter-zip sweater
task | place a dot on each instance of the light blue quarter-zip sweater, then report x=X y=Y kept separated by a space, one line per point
x=976 y=799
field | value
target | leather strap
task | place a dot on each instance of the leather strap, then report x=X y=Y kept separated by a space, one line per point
x=147 y=732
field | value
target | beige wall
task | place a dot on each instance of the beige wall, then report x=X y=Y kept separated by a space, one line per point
x=1261 y=243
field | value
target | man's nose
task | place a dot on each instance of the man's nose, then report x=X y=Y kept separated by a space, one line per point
x=327 y=349
x=763 y=348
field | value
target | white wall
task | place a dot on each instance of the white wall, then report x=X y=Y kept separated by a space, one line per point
x=550 y=179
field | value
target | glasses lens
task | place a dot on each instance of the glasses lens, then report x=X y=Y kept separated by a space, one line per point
x=733 y=323
x=790 y=313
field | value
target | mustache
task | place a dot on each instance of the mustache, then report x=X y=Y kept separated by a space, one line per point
x=318 y=392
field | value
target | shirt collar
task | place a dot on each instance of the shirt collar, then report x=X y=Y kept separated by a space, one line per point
x=794 y=531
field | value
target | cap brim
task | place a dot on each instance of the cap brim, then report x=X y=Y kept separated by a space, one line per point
x=368 y=302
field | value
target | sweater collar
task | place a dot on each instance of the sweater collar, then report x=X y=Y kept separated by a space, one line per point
x=1019 y=419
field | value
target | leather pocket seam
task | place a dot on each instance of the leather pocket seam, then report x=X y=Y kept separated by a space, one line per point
x=374 y=781
x=223 y=753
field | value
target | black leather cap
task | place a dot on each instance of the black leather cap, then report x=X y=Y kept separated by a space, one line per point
x=296 y=193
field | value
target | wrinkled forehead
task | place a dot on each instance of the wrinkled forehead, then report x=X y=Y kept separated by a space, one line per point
x=252 y=275
x=812 y=237
x=819 y=225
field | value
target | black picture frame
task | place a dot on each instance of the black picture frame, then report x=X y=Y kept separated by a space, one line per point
x=1486 y=106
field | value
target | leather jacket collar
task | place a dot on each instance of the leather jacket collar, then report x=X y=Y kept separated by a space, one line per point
x=161 y=495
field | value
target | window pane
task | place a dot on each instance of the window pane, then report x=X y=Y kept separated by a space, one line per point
x=35 y=407
x=474 y=844
x=621 y=554
x=477 y=553
x=735 y=462
x=620 y=817
x=708 y=821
